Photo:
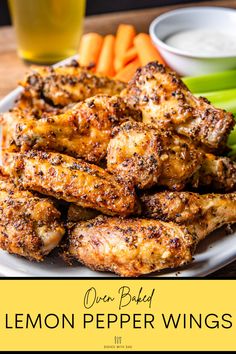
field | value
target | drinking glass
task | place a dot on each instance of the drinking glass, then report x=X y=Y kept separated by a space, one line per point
x=47 y=30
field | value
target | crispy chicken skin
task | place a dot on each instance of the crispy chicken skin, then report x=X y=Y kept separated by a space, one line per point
x=30 y=226
x=63 y=85
x=8 y=122
x=77 y=213
x=83 y=131
x=67 y=123
x=34 y=106
x=130 y=247
x=200 y=213
x=72 y=180
x=218 y=173
x=166 y=102
x=148 y=156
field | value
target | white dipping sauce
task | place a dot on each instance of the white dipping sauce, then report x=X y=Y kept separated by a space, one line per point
x=204 y=42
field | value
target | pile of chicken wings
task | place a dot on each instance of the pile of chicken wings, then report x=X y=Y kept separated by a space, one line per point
x=122 y=178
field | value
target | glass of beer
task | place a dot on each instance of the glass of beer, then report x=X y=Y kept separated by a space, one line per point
x=47 y=30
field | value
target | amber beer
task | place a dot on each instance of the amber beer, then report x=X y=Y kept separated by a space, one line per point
x=47 y=30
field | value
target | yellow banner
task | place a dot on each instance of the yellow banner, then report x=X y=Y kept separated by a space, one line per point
x=117 y=314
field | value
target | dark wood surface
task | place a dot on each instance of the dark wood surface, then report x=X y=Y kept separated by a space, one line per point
x=95 y=7
x=12 y=68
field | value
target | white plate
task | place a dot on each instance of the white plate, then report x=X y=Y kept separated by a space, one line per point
x=216 y=251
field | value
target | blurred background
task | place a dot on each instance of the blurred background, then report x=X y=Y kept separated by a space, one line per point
x=102 y=6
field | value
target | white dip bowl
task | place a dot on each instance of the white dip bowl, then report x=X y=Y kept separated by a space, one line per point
x=186 y=62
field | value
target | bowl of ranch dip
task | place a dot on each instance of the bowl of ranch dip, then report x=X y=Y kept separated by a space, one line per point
x=196 y=40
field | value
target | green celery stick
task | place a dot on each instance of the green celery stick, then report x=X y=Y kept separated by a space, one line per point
x=211 y=82
x=232 y=137
x=225 y=99
x=233 y=151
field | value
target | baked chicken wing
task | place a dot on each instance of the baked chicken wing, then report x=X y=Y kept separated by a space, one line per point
x=8 y=121
x=34 y=106
x=83 y=131
x=30 y=226
x=166 y=102
x=72 y=180
x=60 y=86
x=216 y=172
x=148 y=156
x=130 y=247
x=200 y=213
x=77 y=213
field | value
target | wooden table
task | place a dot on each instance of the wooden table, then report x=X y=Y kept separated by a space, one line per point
x=12 y=68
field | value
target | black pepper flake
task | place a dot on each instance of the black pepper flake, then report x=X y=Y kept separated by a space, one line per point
x=175 y=242
x=91 y=104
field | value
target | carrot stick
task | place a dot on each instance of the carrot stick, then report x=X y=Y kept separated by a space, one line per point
x=128 y=71
x=90 y=47
x=146 y=50
x=124 y=40
x=130 y=55
x=105 y=64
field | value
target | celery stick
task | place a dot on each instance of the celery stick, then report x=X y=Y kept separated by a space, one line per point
x=233 y=151
x=225 y=99
x=232 y=137
x=211 y=82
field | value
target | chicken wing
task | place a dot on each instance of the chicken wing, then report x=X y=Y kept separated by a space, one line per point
x=34 y=106
x=60 y=86
x=166 y=102
x=218 y=173
x=84 y=131
x=8 y=121
x=200 y=213
x=77 y=213
x=130 y=247
x=148 y=156
x=30 y=226
x=72 y=180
